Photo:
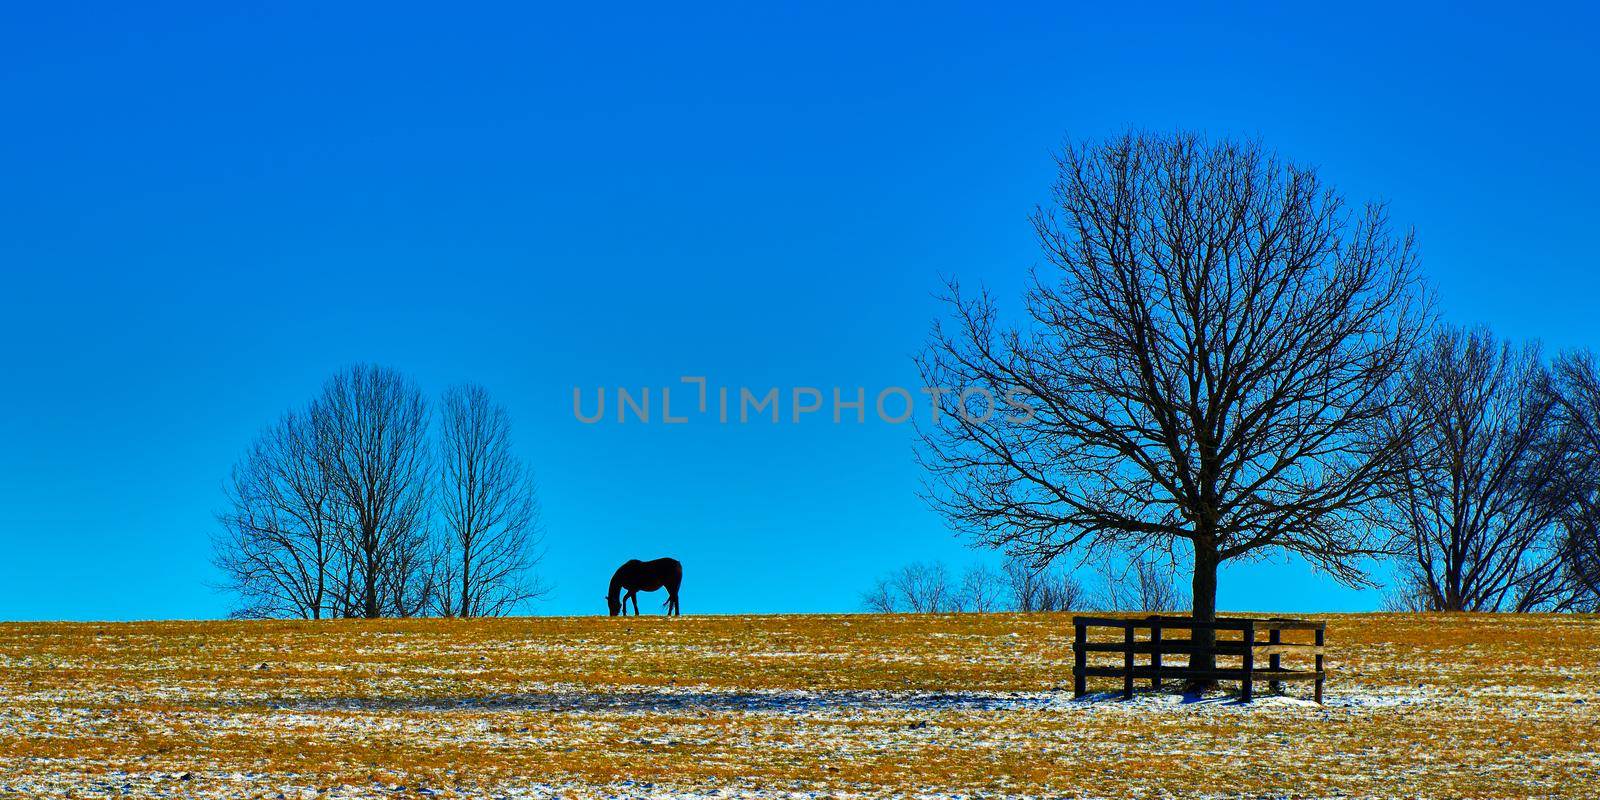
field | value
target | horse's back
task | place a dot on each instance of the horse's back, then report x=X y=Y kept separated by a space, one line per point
x=652 y=575
x=649 y=576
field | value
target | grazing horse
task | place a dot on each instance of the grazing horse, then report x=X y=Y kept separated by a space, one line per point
x=644 y=576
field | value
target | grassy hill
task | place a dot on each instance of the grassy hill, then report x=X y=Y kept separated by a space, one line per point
x=1429 y=706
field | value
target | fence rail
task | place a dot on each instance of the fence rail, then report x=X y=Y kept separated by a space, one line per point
x=1248 y=648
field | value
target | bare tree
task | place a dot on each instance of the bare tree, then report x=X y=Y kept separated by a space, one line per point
x=915 y=588
x=1577 y=381
x=374 y=423
x=409 y=575
x=1035 y=589
x=1408 y=596
x=1143 y=584
x=926 y=588
x=488 y=509
x=1481 y=462
x=1580 y=558
x=279 y=544
x=881 y=598
x=982 y=591
x=1209 y=360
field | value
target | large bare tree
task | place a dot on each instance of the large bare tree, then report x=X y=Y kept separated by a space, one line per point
x=374 y=426
x=279 y=545
x=1208 y=362
x=1482 y=462
x=488 y=508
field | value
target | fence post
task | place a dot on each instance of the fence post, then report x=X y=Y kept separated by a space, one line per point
x=1155 y=654
x=1320 y=631
x=1080 y=681
x=1127 y=662
x=1249 y=660
x=1275 y=638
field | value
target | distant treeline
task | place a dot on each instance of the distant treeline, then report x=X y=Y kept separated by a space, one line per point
x=369 y=502
x=931 y=588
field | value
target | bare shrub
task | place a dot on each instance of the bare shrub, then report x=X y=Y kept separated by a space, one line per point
x=1408 y=596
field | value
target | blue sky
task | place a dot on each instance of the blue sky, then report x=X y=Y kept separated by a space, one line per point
x=205 y=211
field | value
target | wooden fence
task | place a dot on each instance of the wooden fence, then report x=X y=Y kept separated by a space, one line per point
x=1249 y=649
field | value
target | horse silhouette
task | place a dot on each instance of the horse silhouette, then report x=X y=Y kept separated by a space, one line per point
x=644 y=576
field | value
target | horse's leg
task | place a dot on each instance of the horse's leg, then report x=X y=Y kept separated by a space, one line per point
x=635 y=596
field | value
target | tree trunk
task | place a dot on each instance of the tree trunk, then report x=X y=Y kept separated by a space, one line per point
x=322 y=585
x=1205 y=610
x=369 y=586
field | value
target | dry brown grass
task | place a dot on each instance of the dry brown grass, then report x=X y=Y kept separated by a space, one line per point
x=1420 y=706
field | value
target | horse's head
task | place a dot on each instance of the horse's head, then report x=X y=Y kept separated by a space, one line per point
x=614 y=604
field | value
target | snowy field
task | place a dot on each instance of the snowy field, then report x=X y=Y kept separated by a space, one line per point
x=780 y=707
